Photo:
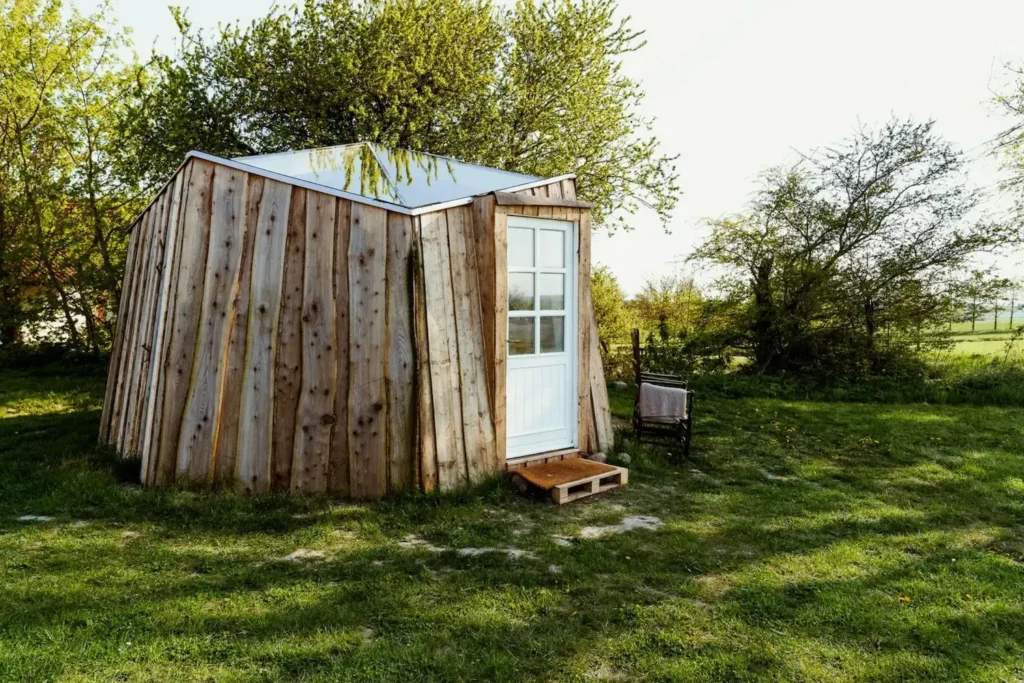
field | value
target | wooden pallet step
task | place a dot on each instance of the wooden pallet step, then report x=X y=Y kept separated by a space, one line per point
x=591 y=486
x=570 y=480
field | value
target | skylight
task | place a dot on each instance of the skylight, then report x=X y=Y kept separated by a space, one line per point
x=402 y=177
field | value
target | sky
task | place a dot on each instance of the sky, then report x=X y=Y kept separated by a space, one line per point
x=735 y=87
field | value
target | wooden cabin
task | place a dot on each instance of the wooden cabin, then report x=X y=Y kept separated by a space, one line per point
x=355 y=320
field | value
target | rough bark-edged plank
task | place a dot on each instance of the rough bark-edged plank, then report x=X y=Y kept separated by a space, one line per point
x=195 y=228
x=477 y=425
x=148 y=321
x=499 y=407
x=338 y=465
x=319 y=355
x=115 y=349
x=124 y=385
x=426 y=445
x=231 y=397
x=155 y=317
x=135 y=350
x=400 y=356
x=583 y=334
x=602 y=414
x=201 y=420
x=288 y=364
x=367 y=398
x=162 y=329
x=256 y=429
x=444 y=370
x=555 y=191
x=483 y=235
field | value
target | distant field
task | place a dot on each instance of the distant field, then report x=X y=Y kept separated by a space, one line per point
x=987 y=325
x=984 y=341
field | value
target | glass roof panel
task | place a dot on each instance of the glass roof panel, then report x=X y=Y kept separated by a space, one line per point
x=403 y=177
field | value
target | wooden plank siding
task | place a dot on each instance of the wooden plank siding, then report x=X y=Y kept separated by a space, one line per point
x=271 y=337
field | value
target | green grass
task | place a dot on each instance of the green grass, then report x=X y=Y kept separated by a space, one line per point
x=805 y=541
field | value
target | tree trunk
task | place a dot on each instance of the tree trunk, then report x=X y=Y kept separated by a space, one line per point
x=764 y=315
x=10 y=300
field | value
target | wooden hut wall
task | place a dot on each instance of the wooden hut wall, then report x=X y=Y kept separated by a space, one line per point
x=271 y=337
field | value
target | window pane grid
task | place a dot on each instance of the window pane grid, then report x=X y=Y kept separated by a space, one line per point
x=548 y=282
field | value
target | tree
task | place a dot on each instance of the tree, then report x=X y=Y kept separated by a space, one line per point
x=610 y=312
x=63 y=203
x=671 y=307
x=1010 y=142
x=855 y=240
x=537 y=89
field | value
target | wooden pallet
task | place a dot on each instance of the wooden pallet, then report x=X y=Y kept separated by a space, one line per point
x=567 y=481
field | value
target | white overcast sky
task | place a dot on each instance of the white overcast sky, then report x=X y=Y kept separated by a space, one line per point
x=736 y=86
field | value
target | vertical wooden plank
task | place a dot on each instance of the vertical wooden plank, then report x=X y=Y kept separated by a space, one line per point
x=188 y=296
x=134 y=348
x=545 y=212
x=602 y=414
x=163 y=361
x=124 y=386
x=444 y=372
x=483 y=234
x=256 y=427
x=201 y=421
x=113 y=368
x=583 y=333
x=161 y=332
x=569 y=189
x=555 y=190
x=367 y=399
x=151 y=316
x=477 y=425
x=401 y=391
x=367 y=404
x=288 y=364
x=426 y=445
x=498 y=408
x=147 y=324
x=226 y=449
x=319 y=355
x=338 y=465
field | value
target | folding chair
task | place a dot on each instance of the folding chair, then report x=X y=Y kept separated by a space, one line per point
x=681 y=429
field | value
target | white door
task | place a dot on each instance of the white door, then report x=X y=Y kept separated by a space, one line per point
x=541 y=385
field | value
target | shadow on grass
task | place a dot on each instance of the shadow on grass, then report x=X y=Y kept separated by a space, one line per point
x=849 y=541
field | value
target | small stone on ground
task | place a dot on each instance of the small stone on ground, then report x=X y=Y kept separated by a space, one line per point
x=627 y=524
x=414 y=542
x=35 y=518
x=512 y=553
x=305 y=554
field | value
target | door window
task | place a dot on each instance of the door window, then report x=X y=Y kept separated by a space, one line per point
x=537 y=285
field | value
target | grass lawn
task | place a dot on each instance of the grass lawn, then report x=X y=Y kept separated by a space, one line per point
x=804 y=541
